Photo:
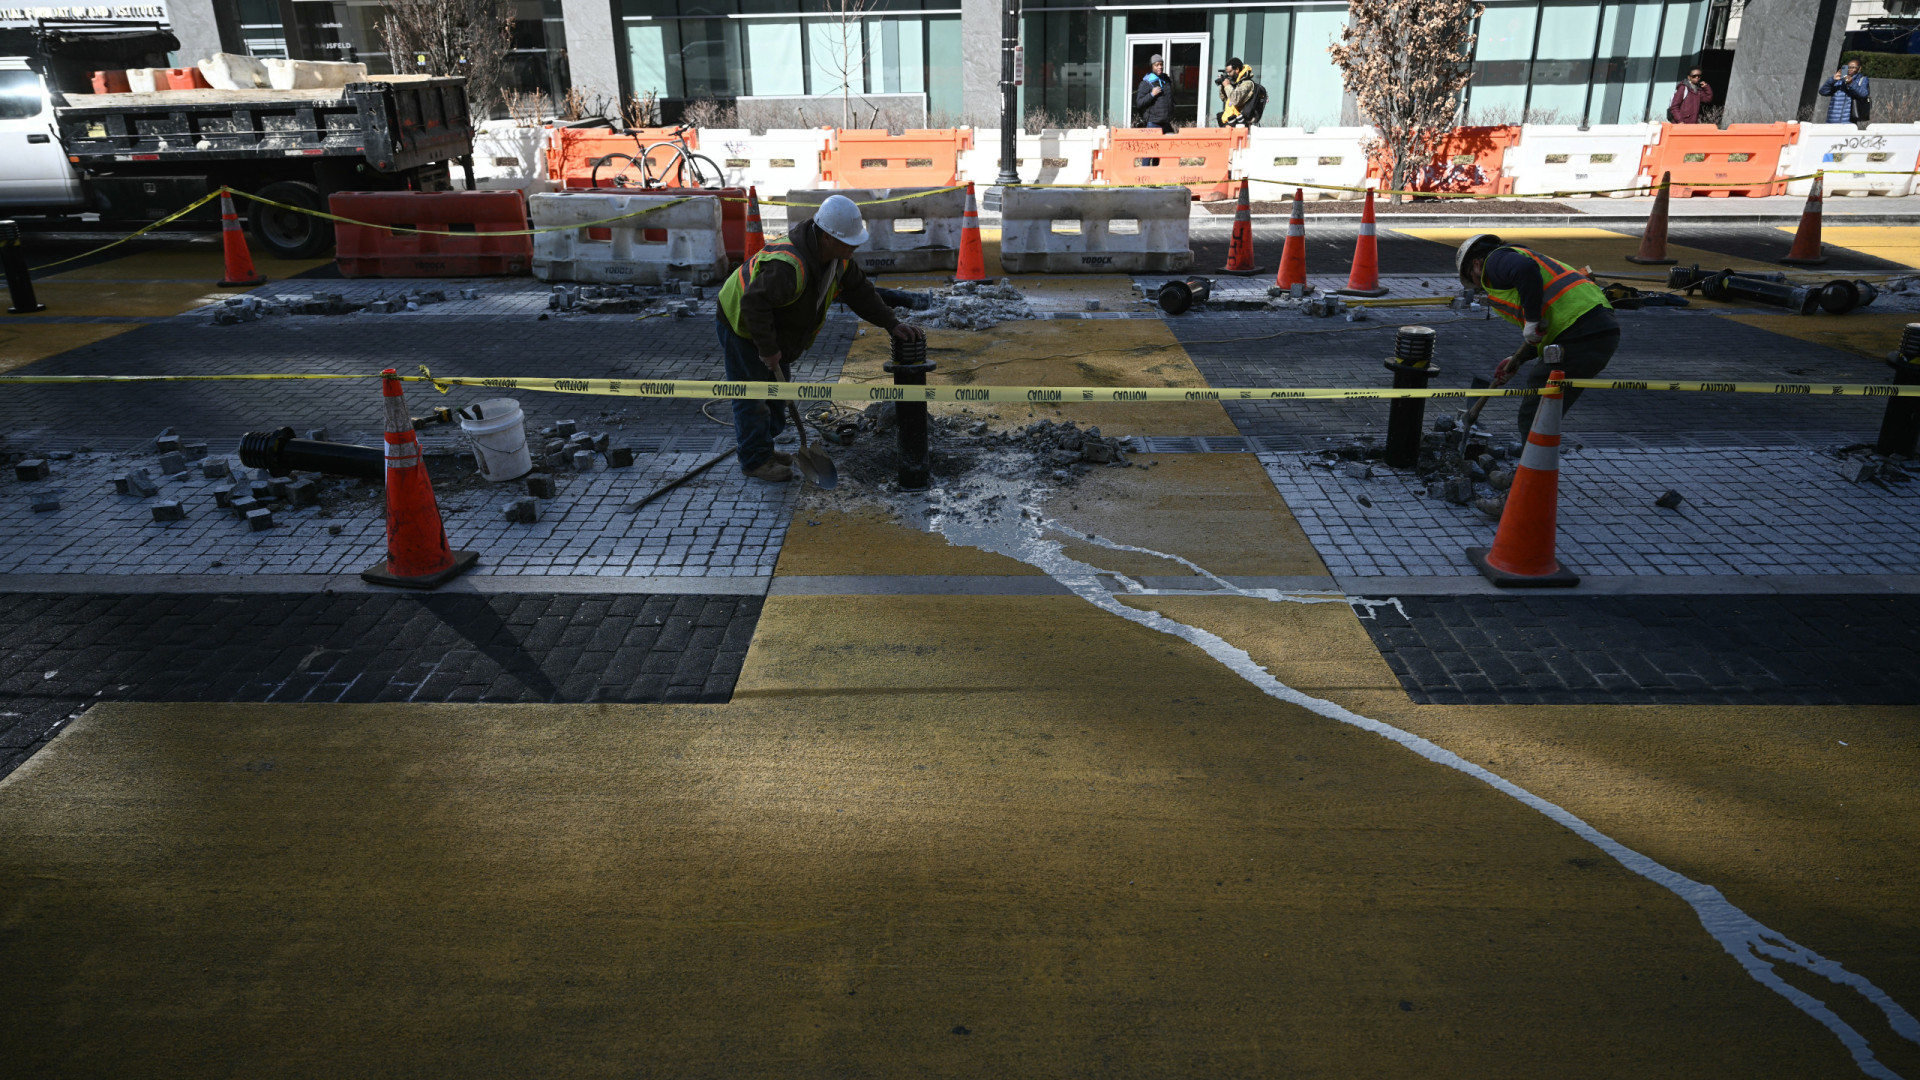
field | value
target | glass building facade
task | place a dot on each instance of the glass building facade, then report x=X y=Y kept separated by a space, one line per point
x=692 y=49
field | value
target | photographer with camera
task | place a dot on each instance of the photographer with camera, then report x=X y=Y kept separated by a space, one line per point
x=1240 y=96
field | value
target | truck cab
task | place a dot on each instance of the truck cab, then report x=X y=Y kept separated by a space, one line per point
x=34 y=171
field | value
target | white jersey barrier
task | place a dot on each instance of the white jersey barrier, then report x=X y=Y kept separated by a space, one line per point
x=1051 y=157
x=781 y=160
x=911 y=235
x=1562 y=158
x=1856 y=162
x=685 y=244
x=1278 y=159
x=506 y=155
x=1095 y=230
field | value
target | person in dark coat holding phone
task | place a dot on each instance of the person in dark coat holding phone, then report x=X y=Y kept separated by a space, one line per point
x=1153 y=99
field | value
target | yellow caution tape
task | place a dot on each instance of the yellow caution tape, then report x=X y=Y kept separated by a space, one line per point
x=1644 y=189
x=1061 y=395
x=137 y=233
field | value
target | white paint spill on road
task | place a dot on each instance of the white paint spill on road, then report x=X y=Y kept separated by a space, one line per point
x=1753 y=945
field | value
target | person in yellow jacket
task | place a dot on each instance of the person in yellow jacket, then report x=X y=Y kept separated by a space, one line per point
x=1236 y=93
x=773 y=307
x=1552 y=303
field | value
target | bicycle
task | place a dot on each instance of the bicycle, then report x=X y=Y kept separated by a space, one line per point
x=684 y=165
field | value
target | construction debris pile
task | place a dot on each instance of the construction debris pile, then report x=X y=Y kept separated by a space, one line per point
x=252 y=308
x=968 y=305
x=675 y=298
x=1461 y=467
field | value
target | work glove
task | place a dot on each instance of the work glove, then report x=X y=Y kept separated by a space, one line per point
x=1532 y=334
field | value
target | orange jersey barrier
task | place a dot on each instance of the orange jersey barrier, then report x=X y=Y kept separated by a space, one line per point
x=1199 y=158
x=921 y=157
x=1744 y=159
x=455 y=241
x=1471 y=160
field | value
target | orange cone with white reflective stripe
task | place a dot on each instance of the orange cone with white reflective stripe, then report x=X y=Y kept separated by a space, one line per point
x=756 y=234
x=1806 y=240
x=240 y=271
x=1293 y=257
x=418 y=556
x=1653 y=242
x=1522 y=554
x=1240 y=248
x=973 y=261
x=1364 y=278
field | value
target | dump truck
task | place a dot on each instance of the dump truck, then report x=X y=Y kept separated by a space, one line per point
x=137 y=157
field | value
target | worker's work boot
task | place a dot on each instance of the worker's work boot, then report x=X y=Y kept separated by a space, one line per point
x=784 y=459
x=772 y=471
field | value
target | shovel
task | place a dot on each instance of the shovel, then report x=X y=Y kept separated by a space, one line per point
x=814 y=463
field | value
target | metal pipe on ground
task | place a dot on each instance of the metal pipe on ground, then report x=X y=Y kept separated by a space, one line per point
x=1412 y=367
x=13 y=258
x=1176 y=297
x=280 y=453
x=909 y=367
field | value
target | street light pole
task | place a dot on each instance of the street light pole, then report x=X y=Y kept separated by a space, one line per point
x=1009 y=94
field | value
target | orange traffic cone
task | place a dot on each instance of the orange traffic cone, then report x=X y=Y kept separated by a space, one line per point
x=1522 y=552
x=1240 y=248
x=756 y=235
x=417 y=553
x=240 y=269
x=1364 y=278
x=1293 y=257
x=1653 y=242
x=1806 y=240
x=973 y=262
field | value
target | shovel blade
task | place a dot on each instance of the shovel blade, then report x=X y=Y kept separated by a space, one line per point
x=817 y=467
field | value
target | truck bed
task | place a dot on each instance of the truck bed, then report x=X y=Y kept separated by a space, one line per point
x=394 y=122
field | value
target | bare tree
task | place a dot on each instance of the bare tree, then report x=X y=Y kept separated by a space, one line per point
x=451 y=37
x=844 y=57
x=1406 y=62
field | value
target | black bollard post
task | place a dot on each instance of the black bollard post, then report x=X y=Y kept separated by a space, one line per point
x=1412 y=366
x=13 y=257
x=910 y=367
x=1900 y=425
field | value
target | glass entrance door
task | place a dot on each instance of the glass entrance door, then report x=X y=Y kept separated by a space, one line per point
x=1186 y=72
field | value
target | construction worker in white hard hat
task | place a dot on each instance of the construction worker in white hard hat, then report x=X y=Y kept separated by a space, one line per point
x=1552 y=303
x=773 y=307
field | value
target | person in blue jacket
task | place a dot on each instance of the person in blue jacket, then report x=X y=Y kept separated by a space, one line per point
x=1153 y=99
x=1849 y=97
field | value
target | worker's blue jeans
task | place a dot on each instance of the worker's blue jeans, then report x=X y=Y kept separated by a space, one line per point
x=755 y=423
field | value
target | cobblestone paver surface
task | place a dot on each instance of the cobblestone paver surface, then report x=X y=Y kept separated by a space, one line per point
x=64 y=652
x=720 y=524
x=1538 y=650
x=1745 y=512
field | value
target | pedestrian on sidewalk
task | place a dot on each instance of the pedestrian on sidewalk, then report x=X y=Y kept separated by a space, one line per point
x=773 y=307
x=1692 y=93
x=1849 y=96
x=1153 y=99
x=1552 y=303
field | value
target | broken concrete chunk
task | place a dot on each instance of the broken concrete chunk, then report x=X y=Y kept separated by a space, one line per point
x=166 y=442
x=1445 y=423
x=31 y=469
x=216 y=470
x=524 y=510
x=260 y=519
x=139 y=483
x=1492 y=506
x=304 y=492
x=1671 y=500
x=242 y=504
x=46 y=501
x=620 y=457
x=583 y=461
x=1459 y=490
x=599 y=443
x=171 y=510
x=223 y=496
x=542 y=485
x=262 y=490
x=1860 y=472
x=565 y=429
x=1357 y=470
x=171 y=462
x=279 y=485
x=1501 y=478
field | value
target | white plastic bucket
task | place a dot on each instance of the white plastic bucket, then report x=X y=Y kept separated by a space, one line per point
x=499 y=433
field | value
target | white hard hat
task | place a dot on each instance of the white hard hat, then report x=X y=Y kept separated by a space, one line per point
x=841 y=220
x=1474 y=246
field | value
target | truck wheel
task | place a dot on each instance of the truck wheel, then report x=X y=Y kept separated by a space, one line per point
x=287 y=234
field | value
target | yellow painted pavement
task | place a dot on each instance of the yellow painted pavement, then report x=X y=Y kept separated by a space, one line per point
x=1602 y=249
x=1894 y=243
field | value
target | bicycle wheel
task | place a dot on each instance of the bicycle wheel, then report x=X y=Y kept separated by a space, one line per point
x=631 y=173
x=706 y=172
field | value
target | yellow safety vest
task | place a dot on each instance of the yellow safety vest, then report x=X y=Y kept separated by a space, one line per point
x=737 y=282
x=1567 y=295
